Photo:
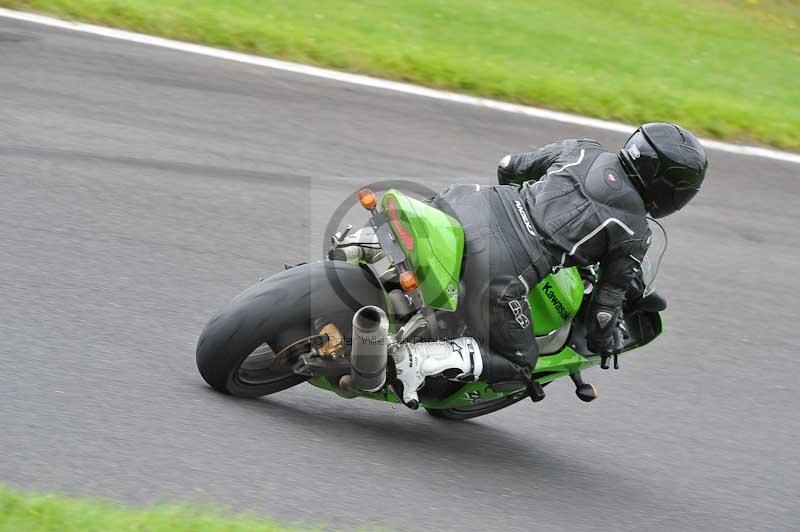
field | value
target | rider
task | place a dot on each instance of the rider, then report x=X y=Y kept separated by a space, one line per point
x=568 y=203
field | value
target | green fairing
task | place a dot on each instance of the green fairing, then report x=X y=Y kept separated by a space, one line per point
x=436 y=249
x=555 y=300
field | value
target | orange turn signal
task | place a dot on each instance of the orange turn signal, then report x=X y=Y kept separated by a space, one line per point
x=408 y=281
x=367 y=198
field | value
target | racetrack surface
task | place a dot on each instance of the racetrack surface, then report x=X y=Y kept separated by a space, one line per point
x=142 y=188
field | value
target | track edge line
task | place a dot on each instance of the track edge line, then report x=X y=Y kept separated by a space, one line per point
x=377 y=83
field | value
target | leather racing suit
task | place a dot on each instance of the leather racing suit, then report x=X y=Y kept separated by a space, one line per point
x=568 y=203
x=583 y=206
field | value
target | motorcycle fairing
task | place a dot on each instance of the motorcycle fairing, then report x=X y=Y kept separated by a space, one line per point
x=433 y=242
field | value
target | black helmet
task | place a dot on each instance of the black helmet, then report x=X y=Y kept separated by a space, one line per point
x=666 y=164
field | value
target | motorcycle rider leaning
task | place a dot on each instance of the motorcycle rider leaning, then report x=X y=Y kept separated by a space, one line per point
x=568 y=203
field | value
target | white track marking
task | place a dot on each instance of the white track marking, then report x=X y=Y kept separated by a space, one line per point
x=366 y=81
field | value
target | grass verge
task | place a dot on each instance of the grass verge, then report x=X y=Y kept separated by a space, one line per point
x=46 y=513
x=725 y=68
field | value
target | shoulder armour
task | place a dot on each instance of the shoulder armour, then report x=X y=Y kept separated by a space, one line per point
x=607 y=183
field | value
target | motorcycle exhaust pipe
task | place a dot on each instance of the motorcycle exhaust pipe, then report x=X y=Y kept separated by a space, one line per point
x=368 y=356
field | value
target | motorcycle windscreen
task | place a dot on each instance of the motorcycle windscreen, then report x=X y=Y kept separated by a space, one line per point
x=655 y=254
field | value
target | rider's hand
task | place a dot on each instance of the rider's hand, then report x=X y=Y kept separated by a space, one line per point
x=504 y=175
x=607 y=346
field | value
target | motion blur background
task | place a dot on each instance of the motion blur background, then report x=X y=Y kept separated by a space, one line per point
x=141 y=188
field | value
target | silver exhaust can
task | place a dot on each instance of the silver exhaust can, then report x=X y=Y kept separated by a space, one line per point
x=368 y=356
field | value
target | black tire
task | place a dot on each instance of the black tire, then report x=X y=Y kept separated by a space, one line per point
x=249 y=373
x=480 y=409
x=249 y=349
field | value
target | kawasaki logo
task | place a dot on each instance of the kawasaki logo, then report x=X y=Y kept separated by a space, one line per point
x=524 y=216
x=548 y=291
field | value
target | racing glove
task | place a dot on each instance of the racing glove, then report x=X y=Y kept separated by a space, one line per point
x=618 y=273
x=607 y=343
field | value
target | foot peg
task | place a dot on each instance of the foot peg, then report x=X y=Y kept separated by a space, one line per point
x=536 y=391
x=586 y=392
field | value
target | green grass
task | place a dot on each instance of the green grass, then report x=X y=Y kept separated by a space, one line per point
x=46 y=513
x=726 y=68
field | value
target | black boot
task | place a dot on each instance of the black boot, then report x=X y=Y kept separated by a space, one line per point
x=502 y=374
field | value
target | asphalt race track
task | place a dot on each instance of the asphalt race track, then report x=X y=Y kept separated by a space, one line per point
x=141 y=188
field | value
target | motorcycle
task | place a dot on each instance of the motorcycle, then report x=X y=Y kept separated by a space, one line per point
x=336 y=323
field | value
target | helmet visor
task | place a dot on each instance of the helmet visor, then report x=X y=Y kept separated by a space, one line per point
x=685 y=183
x=683 y=195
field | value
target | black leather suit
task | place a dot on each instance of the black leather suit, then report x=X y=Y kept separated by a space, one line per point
x=569 y=203
x=585 y=209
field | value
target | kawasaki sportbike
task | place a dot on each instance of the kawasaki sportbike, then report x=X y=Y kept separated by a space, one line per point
x=336 y=323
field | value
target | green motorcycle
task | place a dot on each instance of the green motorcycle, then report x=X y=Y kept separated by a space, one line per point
x=335 y=323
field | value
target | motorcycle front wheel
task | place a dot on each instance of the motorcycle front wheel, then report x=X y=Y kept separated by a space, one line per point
x=472 y=411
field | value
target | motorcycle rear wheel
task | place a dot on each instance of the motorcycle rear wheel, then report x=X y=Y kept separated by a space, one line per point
x=246 y=372
x=250 y=347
